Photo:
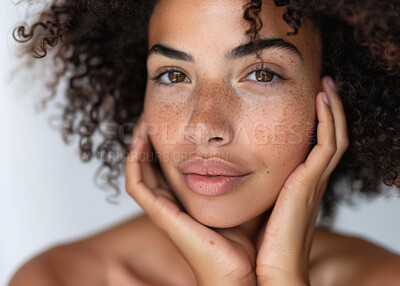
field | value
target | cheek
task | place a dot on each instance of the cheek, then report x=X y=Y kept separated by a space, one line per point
x=283 y=133
x=283 y=122
x=164 y=120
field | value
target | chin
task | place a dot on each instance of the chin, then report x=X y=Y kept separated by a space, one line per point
x=220 y=222
x=223 y=214
x=251 y=199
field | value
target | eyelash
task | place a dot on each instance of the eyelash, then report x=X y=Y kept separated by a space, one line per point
x=164 y=71
x=262 y=67
x=257 y=68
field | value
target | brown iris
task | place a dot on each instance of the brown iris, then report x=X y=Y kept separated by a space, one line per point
x=176 y=76
x=264 y=76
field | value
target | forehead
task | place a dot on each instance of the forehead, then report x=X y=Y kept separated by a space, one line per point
x=202 y=17
x=213 y=26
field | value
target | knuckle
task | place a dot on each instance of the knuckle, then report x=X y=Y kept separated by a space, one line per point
x=129 y=189
x=342 y=144
x=330 y=148
x=345 y=142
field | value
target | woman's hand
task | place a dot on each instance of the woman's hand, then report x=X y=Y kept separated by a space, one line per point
x=220 y=258
x=283 y=257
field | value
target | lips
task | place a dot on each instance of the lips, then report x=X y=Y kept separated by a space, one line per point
x=211 y=177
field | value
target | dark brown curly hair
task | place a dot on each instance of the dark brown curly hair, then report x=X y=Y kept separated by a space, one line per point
x=102 y=49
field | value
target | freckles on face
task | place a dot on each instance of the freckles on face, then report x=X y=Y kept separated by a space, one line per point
x=217 y=108
x=282 y=133
x=162 y=118
x=180 y=112
x=205 y=107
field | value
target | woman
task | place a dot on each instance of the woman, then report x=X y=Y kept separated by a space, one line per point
x=224 y=159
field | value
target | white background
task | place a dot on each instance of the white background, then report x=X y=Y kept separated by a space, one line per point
x=47 y=195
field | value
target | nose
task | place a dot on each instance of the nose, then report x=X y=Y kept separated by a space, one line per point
x=211 y=118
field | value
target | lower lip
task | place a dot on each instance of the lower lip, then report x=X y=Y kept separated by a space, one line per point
x=212 y=186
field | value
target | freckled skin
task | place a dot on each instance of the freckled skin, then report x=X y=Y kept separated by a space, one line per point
x=264 y=128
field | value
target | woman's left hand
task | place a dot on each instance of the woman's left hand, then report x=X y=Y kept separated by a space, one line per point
x=283 y=257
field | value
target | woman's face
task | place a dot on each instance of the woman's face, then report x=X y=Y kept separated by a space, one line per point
x=209 y=95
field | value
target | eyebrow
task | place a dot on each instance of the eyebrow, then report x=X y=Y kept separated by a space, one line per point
x=238 y=52
x=170 y=53
x=263 y=44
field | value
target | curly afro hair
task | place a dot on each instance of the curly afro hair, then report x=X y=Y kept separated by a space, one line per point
x=102 y=47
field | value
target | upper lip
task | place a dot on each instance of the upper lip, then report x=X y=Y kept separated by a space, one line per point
x=212 y=166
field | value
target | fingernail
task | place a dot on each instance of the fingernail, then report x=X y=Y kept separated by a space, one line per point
x=325 y=98
x=331 y=83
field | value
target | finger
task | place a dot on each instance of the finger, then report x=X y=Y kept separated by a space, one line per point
x=295 y=210
x=308 y=174
x=150 y=174
x=134 y=184
x=136 y=130
x=342 y=139
x=150 y=177
x=155 y=206
x=139 y=166
x=337 y=111
x=199 y=244
x=301 y=193
x=194 y=239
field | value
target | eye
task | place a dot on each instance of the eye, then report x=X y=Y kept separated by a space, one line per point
x=171 y=77
x=262 y=76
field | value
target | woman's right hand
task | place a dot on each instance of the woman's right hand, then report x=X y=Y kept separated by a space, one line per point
x=226 y=257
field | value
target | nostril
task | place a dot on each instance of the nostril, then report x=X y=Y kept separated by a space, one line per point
x=216 y=139
x=203 y=134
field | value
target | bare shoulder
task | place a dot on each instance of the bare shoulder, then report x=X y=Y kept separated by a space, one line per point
x=134 y=252
x=339 y=259
x=140 y=250
x=61 y=265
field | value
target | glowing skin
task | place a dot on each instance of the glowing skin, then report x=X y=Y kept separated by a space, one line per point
x=262 y=126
